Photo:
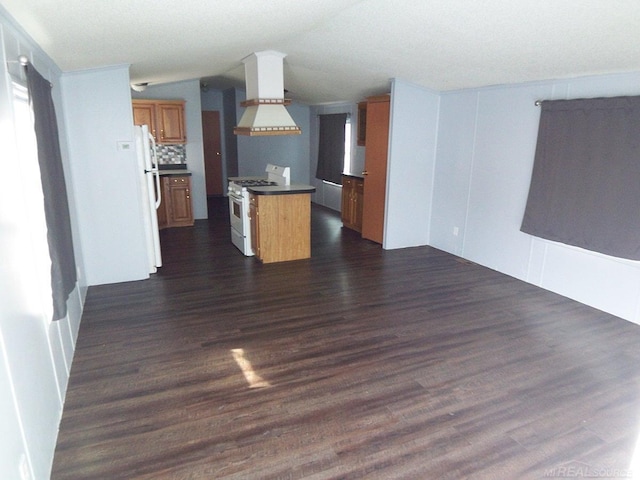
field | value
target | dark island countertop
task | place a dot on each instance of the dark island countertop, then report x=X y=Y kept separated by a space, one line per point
x=353 y=175
x=180 y=172
x=282 y=189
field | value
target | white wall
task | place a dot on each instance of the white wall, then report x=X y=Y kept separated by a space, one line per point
x=486 y=146
x=188 y=90
x=35 y=353
x=99 y=118
x=453 y=171
x=413 y=127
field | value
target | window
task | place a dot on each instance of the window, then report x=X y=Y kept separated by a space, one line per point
x=33 y=227
x=334 y=147
x=347 y=146
x=54 y=191
x=585 y=186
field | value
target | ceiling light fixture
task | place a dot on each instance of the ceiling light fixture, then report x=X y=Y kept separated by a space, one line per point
x=139 y=87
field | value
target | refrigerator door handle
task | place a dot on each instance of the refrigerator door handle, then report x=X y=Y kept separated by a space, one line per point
x=155 y=170
x=156 y=174
x=154 y=153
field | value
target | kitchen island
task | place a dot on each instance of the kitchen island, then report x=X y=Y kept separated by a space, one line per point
x=280 y=222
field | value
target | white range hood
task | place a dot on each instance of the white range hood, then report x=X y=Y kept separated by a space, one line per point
x=265 y=112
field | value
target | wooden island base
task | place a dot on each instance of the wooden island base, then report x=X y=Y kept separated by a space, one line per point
x=281 y=226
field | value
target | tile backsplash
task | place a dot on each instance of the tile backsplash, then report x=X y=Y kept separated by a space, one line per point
x=171 y=154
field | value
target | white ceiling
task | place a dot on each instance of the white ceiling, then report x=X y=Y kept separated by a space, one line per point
x=340 y=49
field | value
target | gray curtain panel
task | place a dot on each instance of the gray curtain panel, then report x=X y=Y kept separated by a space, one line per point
x=585 y=186
x=56 y=207
x=331 y=147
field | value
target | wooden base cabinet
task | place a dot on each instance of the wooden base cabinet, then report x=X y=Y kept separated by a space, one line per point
x=175 y=209
x=280 y=226
x=352 y=194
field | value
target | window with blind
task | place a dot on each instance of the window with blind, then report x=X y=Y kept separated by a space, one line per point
x=333 y=147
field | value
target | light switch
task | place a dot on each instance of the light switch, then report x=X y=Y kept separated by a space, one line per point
x=125 y=146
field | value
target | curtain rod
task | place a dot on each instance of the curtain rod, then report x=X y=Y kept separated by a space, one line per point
x=24 y=61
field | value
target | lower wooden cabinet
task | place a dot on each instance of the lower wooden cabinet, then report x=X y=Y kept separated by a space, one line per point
x=176 y=208
x=352 y=195
x=280 y=226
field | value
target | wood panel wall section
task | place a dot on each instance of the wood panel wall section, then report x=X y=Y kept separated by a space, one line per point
x=375 y=174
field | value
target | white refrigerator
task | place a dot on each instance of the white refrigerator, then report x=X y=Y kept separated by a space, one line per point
x=150 y=193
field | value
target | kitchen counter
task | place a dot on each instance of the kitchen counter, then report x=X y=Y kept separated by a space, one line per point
x=282 y=189
x=354 y=175
x=240 y=179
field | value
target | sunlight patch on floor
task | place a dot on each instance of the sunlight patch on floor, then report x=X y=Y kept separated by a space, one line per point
x=253 y=379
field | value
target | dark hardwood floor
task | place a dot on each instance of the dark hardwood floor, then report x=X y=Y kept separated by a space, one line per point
x=357 y=363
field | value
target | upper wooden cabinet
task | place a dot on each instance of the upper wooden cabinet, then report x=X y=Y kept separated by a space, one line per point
x=171 y=122
x=362 y=124
x=144 y=113
x=164 y=117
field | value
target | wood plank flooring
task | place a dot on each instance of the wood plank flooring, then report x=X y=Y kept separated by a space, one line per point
x=357 y=363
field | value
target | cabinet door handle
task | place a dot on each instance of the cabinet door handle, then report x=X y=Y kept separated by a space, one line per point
x=365 y=173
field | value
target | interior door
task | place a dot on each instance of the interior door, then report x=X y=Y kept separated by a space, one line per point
x=212 y=152
x=375 y=164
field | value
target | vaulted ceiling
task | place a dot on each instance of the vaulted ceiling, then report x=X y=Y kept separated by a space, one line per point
x=340 y=50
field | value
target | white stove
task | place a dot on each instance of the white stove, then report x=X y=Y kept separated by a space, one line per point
x=239 y=203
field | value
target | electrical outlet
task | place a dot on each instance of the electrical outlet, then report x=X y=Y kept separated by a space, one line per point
x=456 y=230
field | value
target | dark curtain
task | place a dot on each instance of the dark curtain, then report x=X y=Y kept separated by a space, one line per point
x=56 y=207
x=331 y=147
x=585 y=186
